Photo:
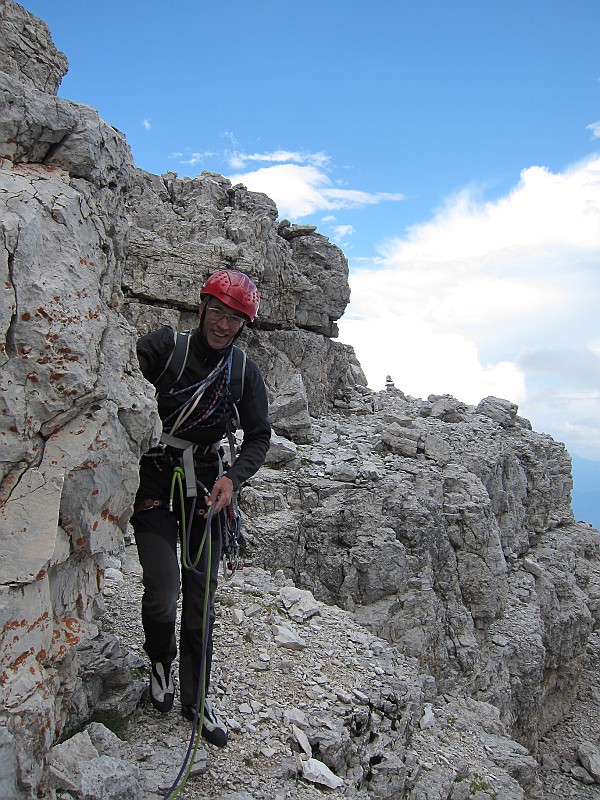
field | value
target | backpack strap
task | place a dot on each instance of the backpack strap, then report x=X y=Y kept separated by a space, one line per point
x=236 y=387
x=173 y=369
x=238 y=374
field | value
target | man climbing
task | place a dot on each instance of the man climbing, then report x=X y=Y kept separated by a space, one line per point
x=198 y=408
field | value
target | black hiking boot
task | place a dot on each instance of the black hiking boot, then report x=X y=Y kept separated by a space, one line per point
x=214 y=729
x=162 y=687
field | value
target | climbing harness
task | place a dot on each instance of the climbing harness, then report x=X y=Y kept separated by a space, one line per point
x=229 y=524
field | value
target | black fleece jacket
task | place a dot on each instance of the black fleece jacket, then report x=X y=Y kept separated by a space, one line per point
x=154 y=349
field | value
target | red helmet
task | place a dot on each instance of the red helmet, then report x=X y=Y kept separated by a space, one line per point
x=235 y=289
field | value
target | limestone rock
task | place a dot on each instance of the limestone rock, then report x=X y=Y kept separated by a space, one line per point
x=281 y=451
x=315 y=771
x=299 y=604
x=501 y=411
x=589 y=755
x=8 y=764
x=437 y=555
x=302 y=740
x=288 y=639
x=28 y=53
x=77 y=766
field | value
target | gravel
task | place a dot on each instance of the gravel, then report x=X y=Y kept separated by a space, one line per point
x=257 y=685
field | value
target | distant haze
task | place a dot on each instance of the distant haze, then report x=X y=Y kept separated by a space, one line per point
x=586 y=490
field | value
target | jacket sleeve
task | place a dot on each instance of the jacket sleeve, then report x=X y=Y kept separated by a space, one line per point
x=153 y=350
x=253 y=409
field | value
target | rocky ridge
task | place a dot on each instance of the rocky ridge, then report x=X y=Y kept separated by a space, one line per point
x=313 y=702
x=446 y=530
x=329 y=678
x=318 y=694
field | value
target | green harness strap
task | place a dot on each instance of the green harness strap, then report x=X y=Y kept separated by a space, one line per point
x=178 y=480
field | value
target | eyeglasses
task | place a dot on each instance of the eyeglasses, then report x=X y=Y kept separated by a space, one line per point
x=233 y=320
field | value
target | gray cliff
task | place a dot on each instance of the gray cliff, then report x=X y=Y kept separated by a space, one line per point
x=442 y=529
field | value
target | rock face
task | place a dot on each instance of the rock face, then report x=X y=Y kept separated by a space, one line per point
x=445 y=529
x=182 y=230
x=75 y=413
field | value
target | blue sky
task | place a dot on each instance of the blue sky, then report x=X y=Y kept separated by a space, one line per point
x=452 y=149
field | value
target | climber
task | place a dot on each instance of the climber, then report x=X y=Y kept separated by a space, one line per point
x=197 y=413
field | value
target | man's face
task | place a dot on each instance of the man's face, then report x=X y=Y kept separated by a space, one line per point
x=221 y=323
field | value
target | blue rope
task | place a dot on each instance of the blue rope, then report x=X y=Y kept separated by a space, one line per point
x=220 y=396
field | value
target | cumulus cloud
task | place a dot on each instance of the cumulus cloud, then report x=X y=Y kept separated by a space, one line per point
x=303 y=189
x=298 y=181
x=576 y=367
x=544 y=210
x=146 y=124
x=493 y=298
x=421 y=361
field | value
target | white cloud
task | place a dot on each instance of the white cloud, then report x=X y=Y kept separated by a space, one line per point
x=595 y=129
x=493 y=298
x=570 y=416
x=230 y=136
x=300 y=190
x=190 y=158
x=193 y=159
x=423 y=362
x=146 y=124
x=238 y=160
x=545 y=210
x=341 y=232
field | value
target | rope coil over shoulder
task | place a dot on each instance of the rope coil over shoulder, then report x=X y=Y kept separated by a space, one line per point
x=231 y=372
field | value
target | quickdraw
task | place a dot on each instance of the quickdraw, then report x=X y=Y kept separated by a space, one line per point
x=232 y=541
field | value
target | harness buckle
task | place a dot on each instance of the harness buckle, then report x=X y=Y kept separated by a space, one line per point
x=147 y=505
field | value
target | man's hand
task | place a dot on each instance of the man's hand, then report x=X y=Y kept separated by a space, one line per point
x=221 y=494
